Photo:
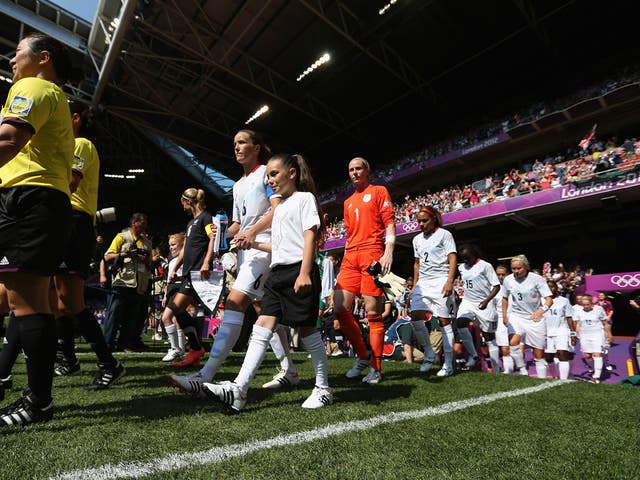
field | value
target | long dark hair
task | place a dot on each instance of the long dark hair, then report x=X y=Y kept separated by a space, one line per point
x=87 y=123
x=58 y=52
x=257 y=139
x=304 y=183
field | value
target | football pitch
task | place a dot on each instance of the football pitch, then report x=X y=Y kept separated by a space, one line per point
x=411 y=425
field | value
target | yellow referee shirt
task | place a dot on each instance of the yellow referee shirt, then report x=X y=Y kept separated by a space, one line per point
x=87 y=163
x=46 y=159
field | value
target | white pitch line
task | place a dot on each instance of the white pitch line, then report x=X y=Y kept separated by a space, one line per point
x=226 y=452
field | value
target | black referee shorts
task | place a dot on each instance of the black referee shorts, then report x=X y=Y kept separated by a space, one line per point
x=81 y=246
x=35 y=224
x=293 y=309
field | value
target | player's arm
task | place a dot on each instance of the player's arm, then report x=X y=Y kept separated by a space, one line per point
x=13 y=138
x=494 y=291
x=537 y=315
x=248 y=236
x=76 y=177
x=452 y=258
x=303 y=282
x=206 y=264
x=390 y=240
x=176 y=265
x=505 y=307
x=416 y=273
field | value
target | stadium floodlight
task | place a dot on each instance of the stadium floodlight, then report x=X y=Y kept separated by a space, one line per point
x=130 y=177
x=384 y=9
x=261 y=111
x=113 y=175
x=320 y=61
x=136 y=170
x=5 y=79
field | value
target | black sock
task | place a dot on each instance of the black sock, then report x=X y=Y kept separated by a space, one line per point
x=10 y=349
x=38 y=337
x=92 y=333
x=66 y=339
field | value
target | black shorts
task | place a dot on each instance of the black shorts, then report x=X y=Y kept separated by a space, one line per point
x=292 y=309
x=172 y=289
x=81 y=247
x=35 y=224
x=186 y=288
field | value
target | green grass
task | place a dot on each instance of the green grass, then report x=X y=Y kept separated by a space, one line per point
x=575 y=430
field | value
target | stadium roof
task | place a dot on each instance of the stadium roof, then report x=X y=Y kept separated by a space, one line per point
x=193 y=71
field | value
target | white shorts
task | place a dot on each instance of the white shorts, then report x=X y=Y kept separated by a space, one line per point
x=502 y=334
x=591 y=342
x=428 y=296
x=532 y=333
x=487 y=318
x=253 y=271
x=561 y=341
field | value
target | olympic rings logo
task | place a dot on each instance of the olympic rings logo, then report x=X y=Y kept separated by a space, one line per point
x=626 y=280
x=409 y=227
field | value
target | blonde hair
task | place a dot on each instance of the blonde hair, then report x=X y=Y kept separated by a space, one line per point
x=523 y=259
x=365 y=163
x=178 y=237
x=194 y=195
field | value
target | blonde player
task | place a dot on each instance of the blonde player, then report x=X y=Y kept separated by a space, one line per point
x=522 y=305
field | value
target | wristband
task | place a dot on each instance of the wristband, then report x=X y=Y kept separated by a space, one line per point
x=390 y=239
x=573 y=334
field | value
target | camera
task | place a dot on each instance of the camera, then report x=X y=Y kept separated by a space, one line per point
x=106 y=215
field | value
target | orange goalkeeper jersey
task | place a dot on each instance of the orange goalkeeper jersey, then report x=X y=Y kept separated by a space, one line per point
x=366 y=216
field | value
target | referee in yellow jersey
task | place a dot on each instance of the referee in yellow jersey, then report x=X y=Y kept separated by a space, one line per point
x=36 y=151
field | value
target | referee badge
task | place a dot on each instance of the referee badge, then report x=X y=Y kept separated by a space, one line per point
x=20 y=105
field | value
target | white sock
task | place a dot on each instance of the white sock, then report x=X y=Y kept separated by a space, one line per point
x=467 y=340
x=422 y=335
x=507 y=364
x=494 y=355
x=172 y=335
x=181 y=341
x=541 y=368
x=517 y=356
x=226 y=338
x=597 y=366
x=563 y=370
x=255 y=354
x=280 y=345
x=447 y=346
x=313 y=344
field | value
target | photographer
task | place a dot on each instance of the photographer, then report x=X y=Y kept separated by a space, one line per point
x=129 y=257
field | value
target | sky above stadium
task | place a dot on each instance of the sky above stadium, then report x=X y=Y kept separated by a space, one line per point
x=83 y=8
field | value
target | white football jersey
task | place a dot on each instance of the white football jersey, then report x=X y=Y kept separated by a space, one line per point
x=556 y=317
x=591 y=322
x=526 y=295
x=433 y=251
x=251 y=196
x=478 y=280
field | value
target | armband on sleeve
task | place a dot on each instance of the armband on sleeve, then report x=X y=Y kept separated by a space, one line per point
x=390 y=239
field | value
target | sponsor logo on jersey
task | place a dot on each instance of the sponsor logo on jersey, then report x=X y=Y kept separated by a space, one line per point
x=20 y=105
x=366 y=198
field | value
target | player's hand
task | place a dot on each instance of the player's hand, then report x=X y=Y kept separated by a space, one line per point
x=171 y=277
x=483 y=305
x=447 y=289
x=537 y=315
x=303 y=284
x=205 y=271
x=385 y=262
x=574 y=340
